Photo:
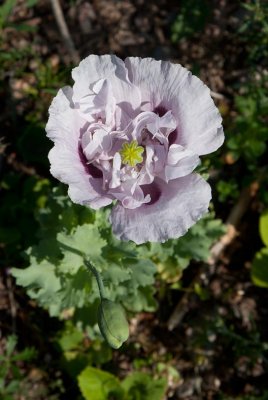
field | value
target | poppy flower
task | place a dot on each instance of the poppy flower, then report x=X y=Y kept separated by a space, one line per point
x=131 y=132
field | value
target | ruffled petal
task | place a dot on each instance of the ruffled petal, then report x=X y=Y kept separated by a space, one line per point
x=109 y=67
x=115 y=181
x=98 y=104
x=168 y=86
x=66 y=160
x=97 y=145
x=178 y=205
x=180 y=162
x=130 y=194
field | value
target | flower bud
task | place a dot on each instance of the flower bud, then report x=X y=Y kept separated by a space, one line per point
x=113 y=323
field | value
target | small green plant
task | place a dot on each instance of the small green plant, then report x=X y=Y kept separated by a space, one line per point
x=254 y=30
x=191 y=19
x=227 y=190
x=58 y=279
x=11 y=376
x=247 y=137
x=100 y=385
x=5 y=11
x=259 y=271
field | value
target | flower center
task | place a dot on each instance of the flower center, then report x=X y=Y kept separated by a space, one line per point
x=131 y=153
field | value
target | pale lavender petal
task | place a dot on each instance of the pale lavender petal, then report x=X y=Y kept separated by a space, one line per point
x=98 y=104
x=93 y=68
x=146 y=174
x=130 y=194
x=162 y=126
x=159 y=159
x=63 y=128
x=115 y=181
x=96 y=145
x=177 y=206
x=168 y=86
x=159 y=127
x=156 y=155
x=180 y=162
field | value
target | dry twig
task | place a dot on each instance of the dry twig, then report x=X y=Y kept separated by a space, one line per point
x=65 y=33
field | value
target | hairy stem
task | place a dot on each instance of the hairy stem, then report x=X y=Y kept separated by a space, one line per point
x=97 y=275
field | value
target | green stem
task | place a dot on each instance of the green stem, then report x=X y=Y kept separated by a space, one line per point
x=97 y=275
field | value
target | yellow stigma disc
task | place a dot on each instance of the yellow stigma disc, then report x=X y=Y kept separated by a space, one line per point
x=131 y=153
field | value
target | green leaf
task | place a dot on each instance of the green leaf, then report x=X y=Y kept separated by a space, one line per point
x=31 y=3
x=40 y=279
x=141 y=299
x=6 y=9
x=11 y=344
x=191 y=19
x=142 y=273
x=99 y=385
x=77 y=289
x=259 y=271
x=264 y=227
x=86 y=240
x=57 y=278
x=141 y=386
x=70 y=338
x=116 y=274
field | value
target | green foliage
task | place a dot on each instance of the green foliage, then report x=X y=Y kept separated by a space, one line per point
x=259 y=270
x=254 y=30
x=11 y=376
x=100 y=385
x=247 y=138
x=59 y=281
x=5 y=11
x=78 y=352
x=141 y=386
x=227 y=190
x=264 y=227
x=191 y=19
x=57 y=277
x=249 y=345
x=175 y=255
x=31 y=3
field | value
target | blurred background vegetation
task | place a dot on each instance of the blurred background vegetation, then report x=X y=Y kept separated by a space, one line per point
x=197 y=306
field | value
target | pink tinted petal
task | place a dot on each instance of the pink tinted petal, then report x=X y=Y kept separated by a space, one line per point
x=115 y=181
x=106 y=169
x=159 y=127
x=96 y=144
x=154 y=164
x=146 y=174
x=130 y=194
x=98 y=104
x=180 y=162
x=132 y=203
x=93 y=68
x=63 y=128
x=159 y=158
x=89 y=194
x=182 y=202
x=172 y=87
x=162 y=126
x=62 y=103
